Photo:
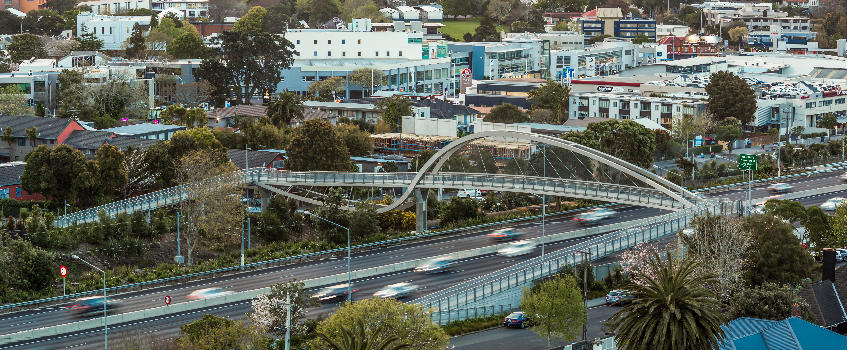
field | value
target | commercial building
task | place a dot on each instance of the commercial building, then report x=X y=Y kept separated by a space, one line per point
x=661 y=110
x=799 y=103
x=492 y=93
x=496 y=60
x=604 y=58
x=610 y=21
x=38 y=87
x=113 y=30
x=182 y=8
x=559 y=40
x=677 y=47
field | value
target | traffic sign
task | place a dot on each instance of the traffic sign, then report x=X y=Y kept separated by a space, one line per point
x=747 y=162
x=63 y=271
x=167 y=299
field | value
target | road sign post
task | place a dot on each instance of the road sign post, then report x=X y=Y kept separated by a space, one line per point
x=748 y=162
x=168 y=300
x=63 y=271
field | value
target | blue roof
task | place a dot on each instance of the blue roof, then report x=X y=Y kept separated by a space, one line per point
x=144 y=128
x=378 y=160
x=793 y=333
x=553 y=127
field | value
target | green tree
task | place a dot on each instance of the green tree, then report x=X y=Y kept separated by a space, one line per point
x=738 y=34
x=641 y=39
x=556 y=308
x=368 y=78
x=43 y=22
x=285 y=109
x=532 y=22
x=261 y=134
x=253 y=21
x=393 y=109
x=110 y=163
x=14 y=102
x=71 y=93
x=729 y=131
x=9 y=137
x=136 y=46
x=357 y=141
x=269 y=310
x=730 y=96
x=25 y=46
x=9 y=23
x=458 y=209
x=246 y=64
x=551 y=96
x=828 y=121
x=506 y=113
x=187 y=45
x=672 y=309
x=819 y=230
x=62 y=173
x=768 y=301
x=776 y=254
x=317 y=146
x=381 y=322
x=321 y=11
x=598 y=39
x=363 y=222
x=280 y=17
x=328 y=89
x=561 y=5
x=360 y=9
x=214 y=333
x=486 y=31
x=839 y=227
x=789 y=210
x=279 y=220
x=88 y=42
x=624 y=139
x=32 y=135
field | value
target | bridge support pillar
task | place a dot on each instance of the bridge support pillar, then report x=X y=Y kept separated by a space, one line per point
x=420 y=209
x=264 y=197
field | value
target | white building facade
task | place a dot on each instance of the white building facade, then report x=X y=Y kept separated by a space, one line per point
x=113 y=30
x=661 y=110
x=602 y=59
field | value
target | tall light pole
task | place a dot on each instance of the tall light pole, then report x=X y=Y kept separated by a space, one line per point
x=105 y=302
x=349 y=279
x=587 y=256
x=543 y=206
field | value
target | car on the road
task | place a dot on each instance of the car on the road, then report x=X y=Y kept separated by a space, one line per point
x=832 y=203
x=504 y=234
x=839 y=256
x=613 y=296
x=436 y=265
x=780 y=188
x=624 y=298
x=207 y=293
x=92 y=306
x=595 y=216
x=516 y=319
x=396 y=290
x=333 y=293
x=517 y=249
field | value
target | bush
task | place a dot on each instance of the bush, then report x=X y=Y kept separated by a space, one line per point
x=473 y=324
x=707 y=149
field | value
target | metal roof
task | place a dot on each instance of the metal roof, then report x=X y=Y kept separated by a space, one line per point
x=144 y=128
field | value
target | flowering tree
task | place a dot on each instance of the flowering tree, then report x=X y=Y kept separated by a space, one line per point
x=269 y=310
x=720 y=244
x=635 y=262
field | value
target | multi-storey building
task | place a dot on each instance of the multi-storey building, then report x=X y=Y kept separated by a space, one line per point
x=114 y=7
x=113 y=30
x=559 y=40
x=799 y=103
x=661 y=110
x=182 y=8
x=610 y=21
x=22 y=5
x=517 y=58
x=601 y=59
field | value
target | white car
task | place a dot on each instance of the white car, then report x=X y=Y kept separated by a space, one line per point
x=397 y=290
x=436 y=265
x=780 y=188
x=517 y=249
x=843 y=253
x=832 y=203
x=469 y=193
x=207 y=293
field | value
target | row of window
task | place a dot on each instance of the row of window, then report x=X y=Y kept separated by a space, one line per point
x=645 y=106
x=824 y=103
x=329 y=42
x=359 y=53
x=403 y=78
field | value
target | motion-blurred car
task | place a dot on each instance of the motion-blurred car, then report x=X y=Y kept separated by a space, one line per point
x=92 y=306
x=832 y=203
x=436 y=265
x=780 y=188
x=333 y=293
x=397 y=290
x=207 y=293
x=504 y=234
x=843 y=177
x=516 y=319
x=517 y=249
x=595 y=216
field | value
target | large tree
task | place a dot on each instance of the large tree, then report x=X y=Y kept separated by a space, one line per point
x=136 y=45
x=214 y=333
x=730 y=96
x=327 y=90
x=88 y=42
x=407 y=325
x=556 y=308
x=62 y=173
x=486 y=31
x=25 y=46
x=281 y=17
x=624 y=139
x=317 y=146
x=671 y=310
x=358 y=142
x=247 y=64
x=506 y=113
x=43 y=22
x=368 y=78
x=776 y=254
x=112 y=174
x=393 y=109
x=285 y=109
x=253 y=21
x=187 y=45
x=729 y=131
x=719 y=244
x=321 y=11
x=768 y=301
x=551 y=96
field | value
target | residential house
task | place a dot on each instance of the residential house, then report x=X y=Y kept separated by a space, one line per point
x=270 y=158
x=828 y=297
x=49 y=131
x=148 y=131
x=89 y=141
x=227 y=116
x=792 y=333
x=10 y=182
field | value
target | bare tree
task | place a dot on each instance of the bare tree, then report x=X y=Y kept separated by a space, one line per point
x=720 y=244
x=193 y=94
x=213 y=210
x=137 y=172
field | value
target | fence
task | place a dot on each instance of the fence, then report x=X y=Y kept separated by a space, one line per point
x=505 y=285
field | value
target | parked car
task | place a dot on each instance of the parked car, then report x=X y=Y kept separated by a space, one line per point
x=517 y=249
x=626 y=297
x=469 y=193
x=516 y=319
x=832 y=203
x=780 y=188
x=397 y=290
x=92 y=306
x=843 y=253
x=436 y=265
x=207 y=293
x=613 y=296
x=839 y=256
x=594 y=217
x=333 y=293
x=504 y=234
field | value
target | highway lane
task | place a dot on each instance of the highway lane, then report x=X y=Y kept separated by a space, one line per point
x=150 y=298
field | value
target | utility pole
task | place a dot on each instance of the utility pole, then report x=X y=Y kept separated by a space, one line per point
x=287 y=321
x=586 y=263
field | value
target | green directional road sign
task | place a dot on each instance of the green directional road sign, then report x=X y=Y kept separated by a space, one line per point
x=747 y=161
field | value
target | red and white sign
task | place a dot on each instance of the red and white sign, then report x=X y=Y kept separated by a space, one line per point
x=167 y=299
x=63 y=271
x=465 y=80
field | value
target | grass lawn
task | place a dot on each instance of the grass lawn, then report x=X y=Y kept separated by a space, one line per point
x=458 y=27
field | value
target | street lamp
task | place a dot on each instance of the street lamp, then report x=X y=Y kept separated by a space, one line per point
x=587 y=257
x=105 y=302
x=349 y=279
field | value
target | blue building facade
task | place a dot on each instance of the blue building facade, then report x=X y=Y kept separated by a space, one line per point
x=621 y=29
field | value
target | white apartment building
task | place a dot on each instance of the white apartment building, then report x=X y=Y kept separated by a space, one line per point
x=185 y=8
x=661 y=110
x=358 y=43
x=559 y=40
x=113 y=30
x=113 y=7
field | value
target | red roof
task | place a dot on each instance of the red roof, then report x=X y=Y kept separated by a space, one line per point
x=590 y=14
x=675 y=40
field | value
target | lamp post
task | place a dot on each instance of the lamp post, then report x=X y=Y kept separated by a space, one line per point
x=587 y=255
x=105 y=302
x=349 y=279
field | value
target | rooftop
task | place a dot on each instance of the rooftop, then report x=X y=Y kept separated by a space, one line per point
x=10 y=173
x=93 y=139
x=144 y=128
x=48 y=128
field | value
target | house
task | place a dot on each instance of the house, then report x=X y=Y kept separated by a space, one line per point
x=269 y=158
x=226 y=116
x=789 y=334
x=50 y=131
x=10 y=182
x=89 y=141
x=828 y=297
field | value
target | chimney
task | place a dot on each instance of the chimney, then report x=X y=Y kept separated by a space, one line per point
x=828 y=264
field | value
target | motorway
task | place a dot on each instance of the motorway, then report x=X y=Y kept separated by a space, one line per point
x=463 y=270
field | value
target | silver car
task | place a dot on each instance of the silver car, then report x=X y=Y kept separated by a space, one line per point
x=397 y=290
x=780 y=188
x=832 y=203
x=595 y=216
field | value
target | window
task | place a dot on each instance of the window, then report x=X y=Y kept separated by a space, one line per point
x=21 y=142
x=359 y=41
x=17 y=191
x=387 y=53
x=110 y=30
x=298 y=41
x=343 y=53
x=604 y=103
x=400 y=53
x=360 y=53
x=279 y=164
x=316 y=41
x=376 y=53
x=329 y=42
x=315 y=54
x=329 y=53
x=343 y=41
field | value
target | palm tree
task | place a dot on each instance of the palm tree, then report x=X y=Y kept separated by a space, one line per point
x=672 y=308
x=359 y=339
x=9 y=137
x=32 y=135
x=287 y=108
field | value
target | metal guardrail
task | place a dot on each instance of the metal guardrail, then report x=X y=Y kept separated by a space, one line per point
x=829 y=168
x=509 y=279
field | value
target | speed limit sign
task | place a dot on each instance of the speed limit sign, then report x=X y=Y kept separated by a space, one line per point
x=167 y=299
x=63 y=271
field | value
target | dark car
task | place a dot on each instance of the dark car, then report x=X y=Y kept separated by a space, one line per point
x=625 y=297
x=516 y=319
x=92 y=306
x=333 y=293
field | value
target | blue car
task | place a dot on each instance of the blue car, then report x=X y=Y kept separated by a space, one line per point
x=92 y=306
x=516 y=319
